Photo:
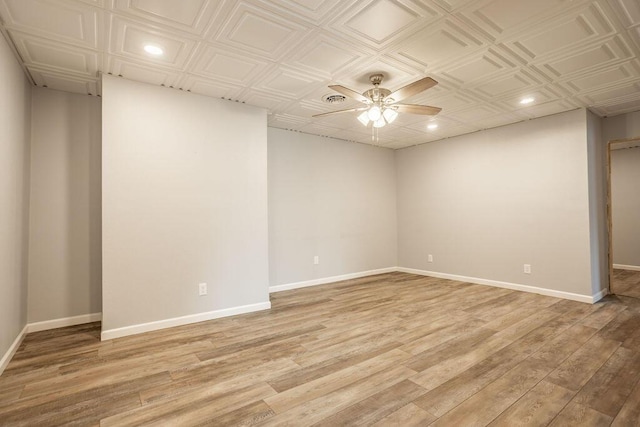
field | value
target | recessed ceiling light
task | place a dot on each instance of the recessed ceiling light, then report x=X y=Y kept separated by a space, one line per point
x=153 y=50
x=432 y=126
x=525 y=101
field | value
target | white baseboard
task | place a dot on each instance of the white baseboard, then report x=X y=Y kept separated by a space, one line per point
x=65 y=321
x=12 y=349
x=183 y=320
x=325 y=280
x=516 y=287
x=627 y=267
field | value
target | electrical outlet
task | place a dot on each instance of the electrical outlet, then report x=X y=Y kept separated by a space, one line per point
x=527 y=269
x=202 y=289
x=430 y=258
x=316 y=260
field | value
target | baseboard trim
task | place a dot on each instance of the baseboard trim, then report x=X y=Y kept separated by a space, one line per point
x=627 y=267
x=4 y=362
x=183 y=320
x=516 y=287
x=325 y=280
x=62 y=322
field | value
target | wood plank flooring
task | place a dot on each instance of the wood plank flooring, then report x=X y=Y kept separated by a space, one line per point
x=626 y=282
x=388 y=350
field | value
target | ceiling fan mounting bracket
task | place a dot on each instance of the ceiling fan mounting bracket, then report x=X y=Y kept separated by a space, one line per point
x=376 y=79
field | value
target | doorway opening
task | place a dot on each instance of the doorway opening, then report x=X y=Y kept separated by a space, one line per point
x=623 y=216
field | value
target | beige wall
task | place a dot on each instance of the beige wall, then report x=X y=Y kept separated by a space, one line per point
x=65 y=238
x=184 y=201
x=331 y=199
x=487 y=203
x=625 y=201
x=15 y=115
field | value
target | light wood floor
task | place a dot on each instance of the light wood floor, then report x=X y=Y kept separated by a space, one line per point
x=388 y=350
x=626 y=282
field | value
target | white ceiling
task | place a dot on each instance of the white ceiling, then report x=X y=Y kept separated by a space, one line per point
x=282 y=54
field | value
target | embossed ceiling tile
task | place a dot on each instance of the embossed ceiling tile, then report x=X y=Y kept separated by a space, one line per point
x=449 y=102
x=440 y=120
x=435 y=45
x=598 y=56
x=287 y=121
x=498 y=120
x=628 y=10
x=475 y=114
x=46 y=54
x=192 y=16
x=612 y=94
x=316 y=11
x=325 y=55
x=142 y=72
x=319 y=129
x=259 y=31
x=540 y=96
x=76 y=23
x=452 y=5
x=514 y=83
x=129 y=38
x=64 y=82
x=611 y=76
x=564 y=33
x=224 y=65
x=211 y=88
x=480 y=66
x=625 y=106
x=290 y=83
x=447 y=132
x=548 y=108
x=381 y=22
x=270 y=101
x=501 y=18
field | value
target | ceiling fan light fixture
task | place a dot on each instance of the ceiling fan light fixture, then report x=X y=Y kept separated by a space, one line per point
x=379 y=123
x=374 y=113
x=389 y=115
x=364 y=118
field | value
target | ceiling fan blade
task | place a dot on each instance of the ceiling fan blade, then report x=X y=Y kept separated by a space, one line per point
x=417 y=109
x=339 y=112
x=350 y=93
x=412 y=89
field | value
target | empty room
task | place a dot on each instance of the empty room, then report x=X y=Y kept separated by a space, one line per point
x=320 y=212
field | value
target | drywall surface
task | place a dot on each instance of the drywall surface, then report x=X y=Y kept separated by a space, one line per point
x=331 y=199
x=485 y=204
x=625 y=202
x=15 y=119
x=622 y=126
x=65 y=239
x=184 y=202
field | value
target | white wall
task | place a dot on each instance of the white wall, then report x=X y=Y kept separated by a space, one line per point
x=65 y=238
x=487 y=203
x=625 y=201
x=15 y=114
x=598 y=226
x=331 y=199
x=184 y=201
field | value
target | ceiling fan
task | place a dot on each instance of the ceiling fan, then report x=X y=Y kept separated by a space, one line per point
x=381 y=105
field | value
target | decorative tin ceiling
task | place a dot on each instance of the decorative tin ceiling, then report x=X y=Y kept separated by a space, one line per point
x=282 y=54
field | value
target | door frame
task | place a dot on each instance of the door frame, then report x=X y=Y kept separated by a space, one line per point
x=609 y=206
